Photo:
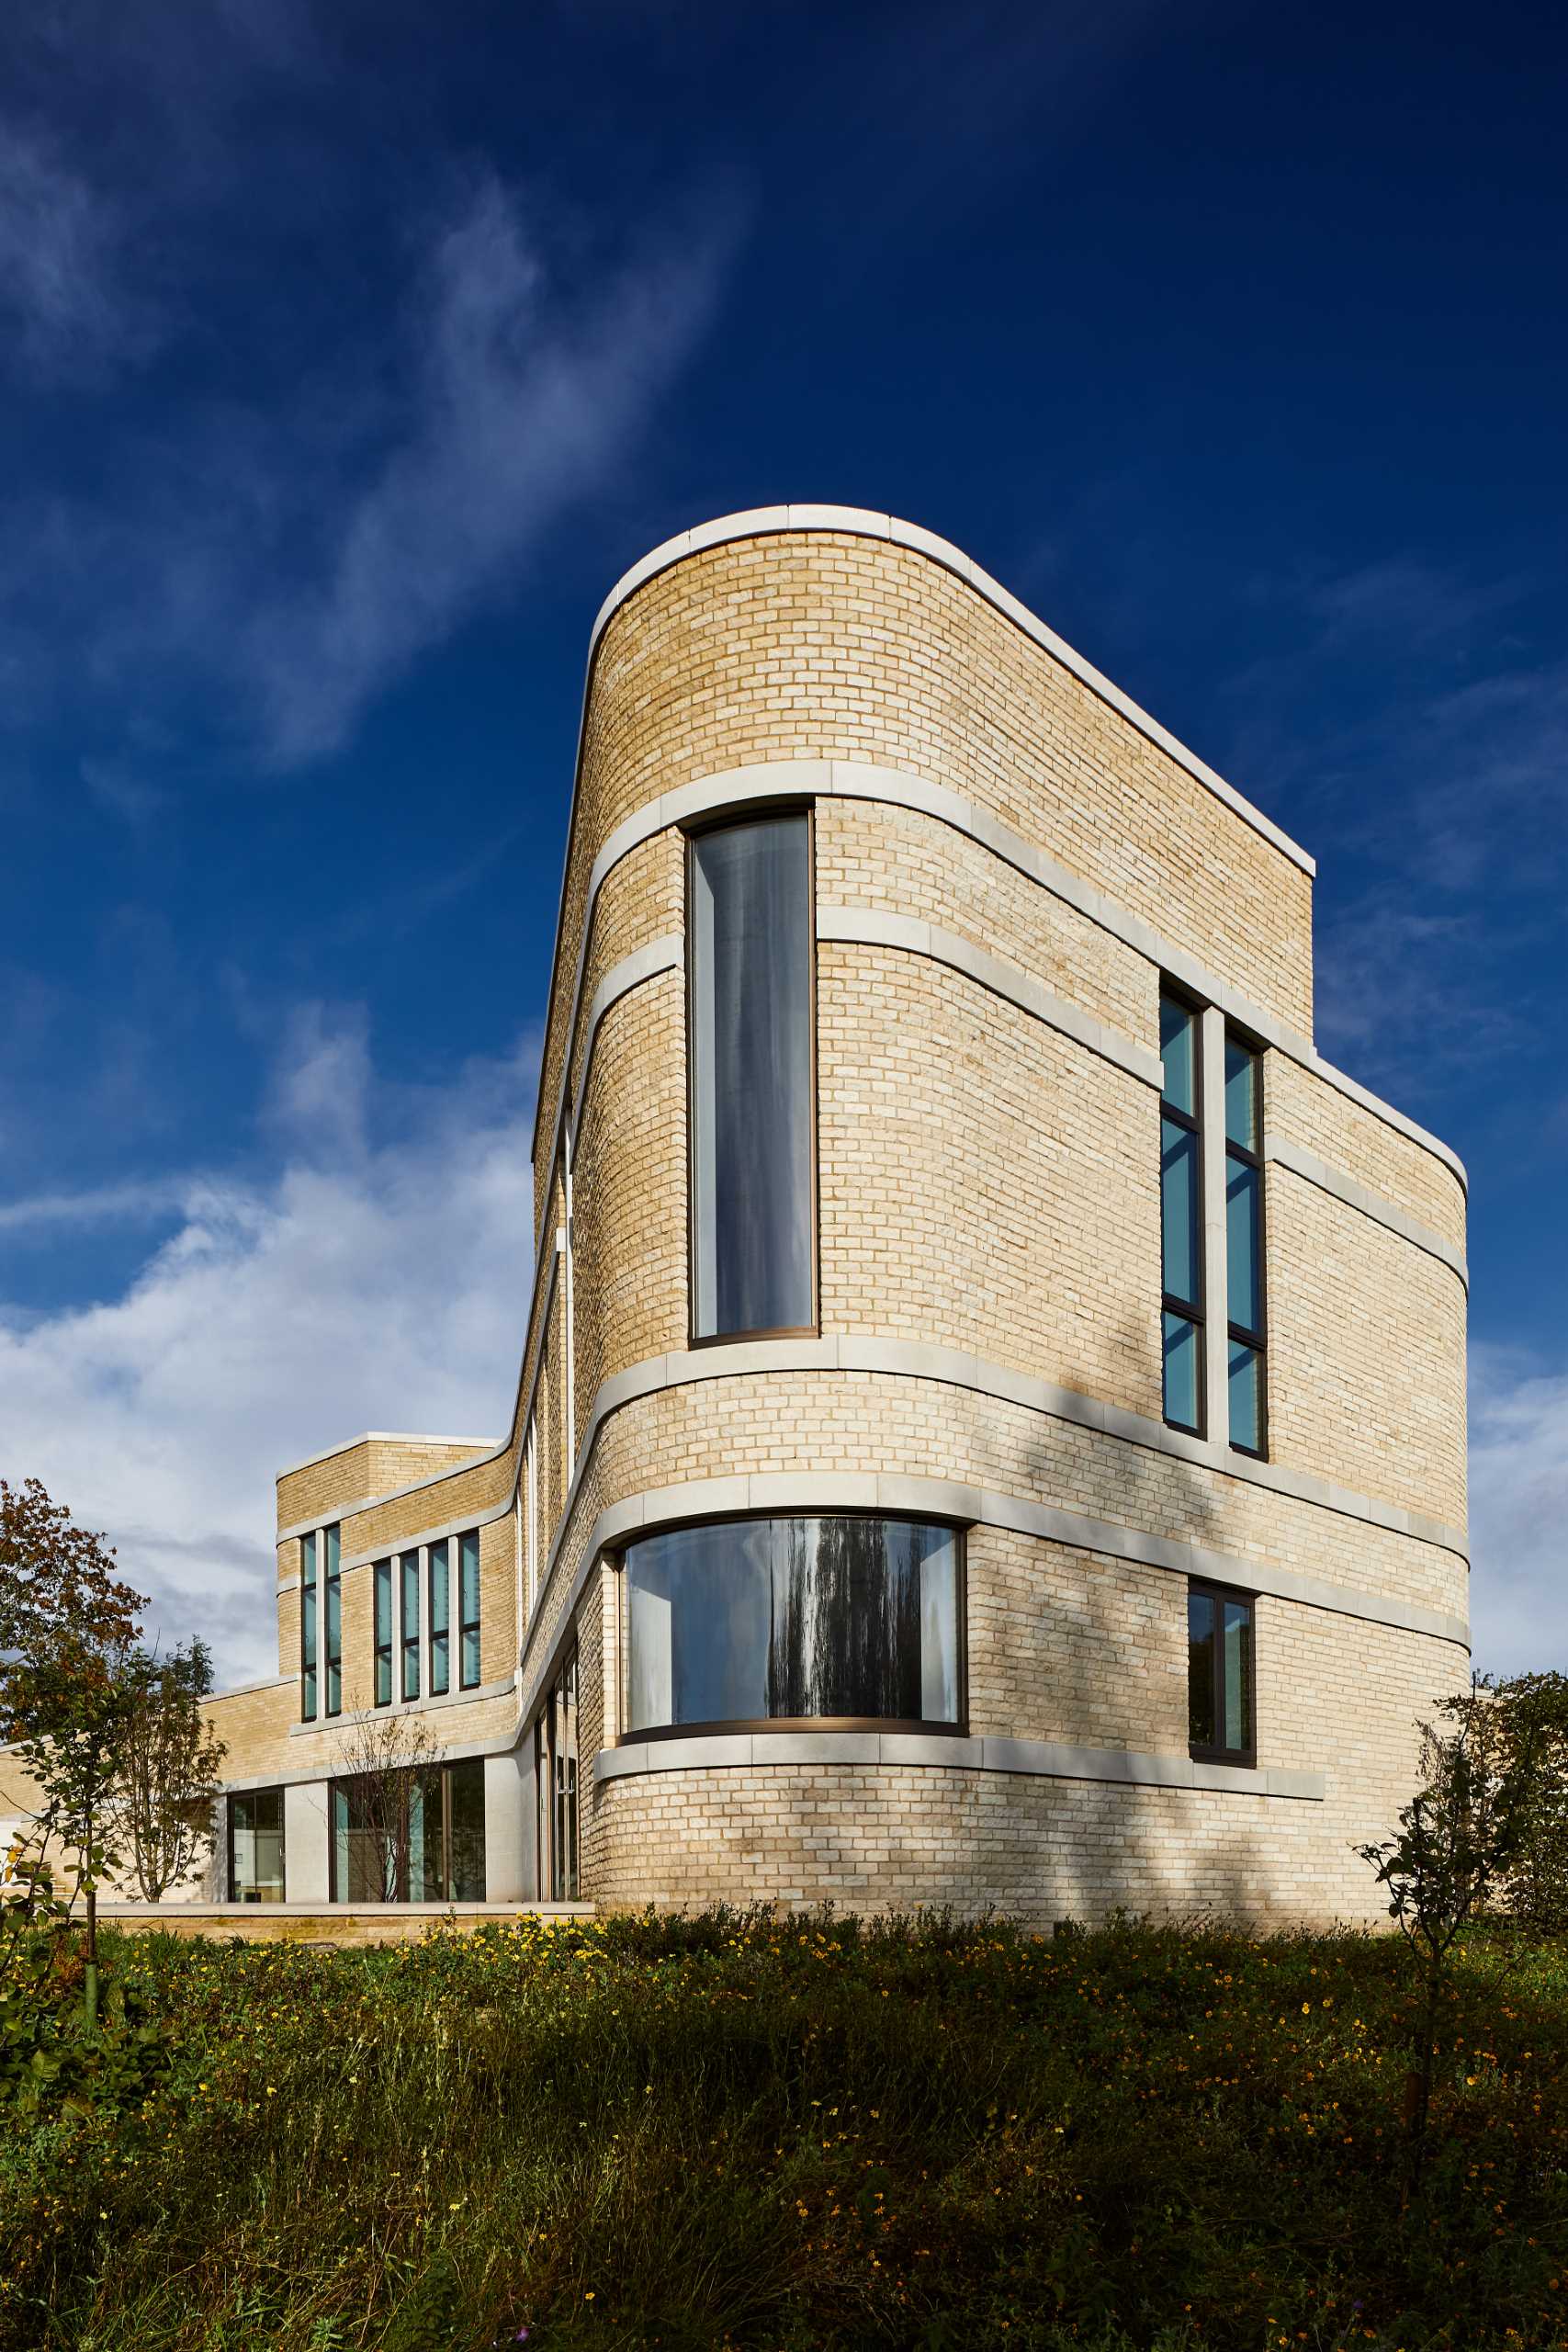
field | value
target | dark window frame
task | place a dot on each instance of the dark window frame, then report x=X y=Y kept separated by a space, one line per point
x=442 y=1767
x=331 y=1546
x=467 y=1624
x=558 y=1782
x=1251 y=1157
x=410 y=1645
x=719 y=1727
x=309 y=1628
x=727 y=820
x=1188 y=1311
x=243 y=1796
x=443 y=1545
x=1244 y=1759
x=382 y=1653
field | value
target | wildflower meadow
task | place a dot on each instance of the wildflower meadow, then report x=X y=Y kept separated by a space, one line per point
x=738 y=2131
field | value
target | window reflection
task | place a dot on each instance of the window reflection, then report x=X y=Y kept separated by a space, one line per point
x=749 y=912
x=794 y=1618
x=255 y=1847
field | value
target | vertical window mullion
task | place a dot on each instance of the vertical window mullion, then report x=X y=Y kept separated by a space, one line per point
x=1182 y=1251
x=1247 y=1294
x=468 y=1607
x=409 y=1610
x=308 y=1629
x=381 y=1633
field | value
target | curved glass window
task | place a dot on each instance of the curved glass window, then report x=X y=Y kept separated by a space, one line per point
x=760 y=1619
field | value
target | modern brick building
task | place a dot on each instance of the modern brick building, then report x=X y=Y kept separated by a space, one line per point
x=990 y=1428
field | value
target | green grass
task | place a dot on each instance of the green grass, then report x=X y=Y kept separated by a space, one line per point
x=721 y=2131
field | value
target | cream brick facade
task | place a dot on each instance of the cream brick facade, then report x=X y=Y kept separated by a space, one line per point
x=1007 y=858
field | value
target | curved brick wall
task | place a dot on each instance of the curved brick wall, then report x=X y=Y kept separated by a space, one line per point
x=988 y=1187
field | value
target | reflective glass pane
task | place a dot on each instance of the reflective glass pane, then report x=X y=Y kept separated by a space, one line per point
x=750 y=1046
x=307 y=1558
x=1183 y=1371
x=466 y=1832
x=468 y=1609
x=308 y=1650
x=1200 y=1668
x=1243 y=1238
x=334 y=1644
x=440 y=1632
x=411 y=1624
x=1180 y=1204
x=383 y=1630
x=793 y=1617
x=1246 y=1385
x=1237 y=1674
x=1241 y=1095
x=334 y=1550
x=255 y=1847
x=1178 y=1052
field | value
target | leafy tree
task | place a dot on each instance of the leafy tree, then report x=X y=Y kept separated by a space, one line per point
x=383 y=1756
x=164 y=1794
x=1458 y=1840
x=66 y=1625
x=57 y=1583
x=1525 y=1720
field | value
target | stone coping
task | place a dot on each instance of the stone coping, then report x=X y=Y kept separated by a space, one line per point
x=933 y=1751
x=118 y=1914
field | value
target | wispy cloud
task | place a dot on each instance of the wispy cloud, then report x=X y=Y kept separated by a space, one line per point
x=1518 y=1508
x=59 y=240
x=361 y=1285
x=99 y=1204
x=521 y=401
x=251 y=579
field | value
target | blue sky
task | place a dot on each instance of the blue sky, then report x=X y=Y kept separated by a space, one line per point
x=348 y=354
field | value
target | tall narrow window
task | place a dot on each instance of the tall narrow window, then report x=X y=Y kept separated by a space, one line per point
x=255 y=1847
x=469 y=1609
x=555 y=1784
x=1244 y=1245
x=1182 y=1216
x=383 y=1608
x=752 y=1143
x=1220 y=1719
x=307 y=1627
x=411 y=1624
x=440 y=1621
x=333 y=1591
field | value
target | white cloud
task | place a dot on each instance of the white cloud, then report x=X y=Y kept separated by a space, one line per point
x=267 y=569
x=521 y=404
x=372 y=1283
x=59 y=240
x=1518 y=1511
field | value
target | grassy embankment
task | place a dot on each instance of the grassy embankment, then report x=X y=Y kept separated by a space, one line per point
x=717 y=2133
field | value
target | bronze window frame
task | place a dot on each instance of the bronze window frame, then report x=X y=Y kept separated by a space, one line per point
x=719 y=821
x=737 y=1725
x=1244 y=1759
